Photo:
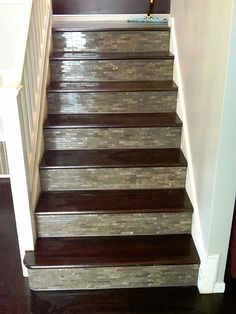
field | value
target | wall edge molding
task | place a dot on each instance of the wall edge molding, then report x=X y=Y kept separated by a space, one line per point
x=219 y=287
x=209 y=264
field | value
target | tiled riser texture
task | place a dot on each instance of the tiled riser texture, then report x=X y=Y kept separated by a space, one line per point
x=116 y=102
x=113 y=277
x=113 y=178
x=112 y=138
x=112 y=70
x=3 y=159
x=120 y=41
x=113 y=224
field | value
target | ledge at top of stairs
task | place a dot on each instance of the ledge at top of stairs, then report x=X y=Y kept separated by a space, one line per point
x=76 y=26
x=111 y=86
x=112 y=158
x=112 y=251
x=116 y=120
x=81 y=56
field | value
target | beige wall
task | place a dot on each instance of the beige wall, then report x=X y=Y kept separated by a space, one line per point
x=202 y=31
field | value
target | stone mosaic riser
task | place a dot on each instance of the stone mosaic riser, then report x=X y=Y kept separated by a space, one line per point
x=66 y=225
x=3 y=159
x=112 y=70
x=113 y=277
x=58 y=139
x=116 y=41
x=111 y=102
x=113 y=178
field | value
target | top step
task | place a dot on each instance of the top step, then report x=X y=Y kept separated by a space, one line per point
x=75 y=26
x=110 y=37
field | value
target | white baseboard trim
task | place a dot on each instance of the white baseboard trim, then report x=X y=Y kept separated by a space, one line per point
x=219 y=287
x=4 y=176
x=100 y=17
x=208 y=274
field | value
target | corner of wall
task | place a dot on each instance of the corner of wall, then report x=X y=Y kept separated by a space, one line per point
x=209 y=264
x=185 y=143
x=207 y=279
x=2 y=137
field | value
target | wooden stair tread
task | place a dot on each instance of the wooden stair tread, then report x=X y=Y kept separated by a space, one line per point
x=112 y=251
x=112 y=86
x=114 y=201
x=112 y=158
x=120 y=120
x=81 y=56
x=76 y=26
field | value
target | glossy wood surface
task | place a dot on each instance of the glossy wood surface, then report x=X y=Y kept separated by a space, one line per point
x=114 y=201
x=81 y=56
x=108 y=6
x=110 y=158
x=123 y=120
x=16 y=298
x=185 y=300
x=112 y=251
x=14 y=291
x=77 y=26
x=119 y=86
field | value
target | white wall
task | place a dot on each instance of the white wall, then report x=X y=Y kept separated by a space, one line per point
x=12 y=23
x=12 y=15
x=202 y=30
x=1 y=130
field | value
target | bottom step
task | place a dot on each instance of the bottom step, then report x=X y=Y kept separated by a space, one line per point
x=112 y=262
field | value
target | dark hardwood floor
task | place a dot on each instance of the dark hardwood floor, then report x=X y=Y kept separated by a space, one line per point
x=16 y=298
x=14 y=293
x=108 y=7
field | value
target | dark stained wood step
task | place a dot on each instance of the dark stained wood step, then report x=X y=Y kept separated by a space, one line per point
x=122 y=120
x=114 y=201
x=111 y=86
x=81 y=56
x=112 y=251
x=99 y=26
x=111 y=158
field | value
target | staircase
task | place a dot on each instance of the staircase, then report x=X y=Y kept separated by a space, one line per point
x=113 y=212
